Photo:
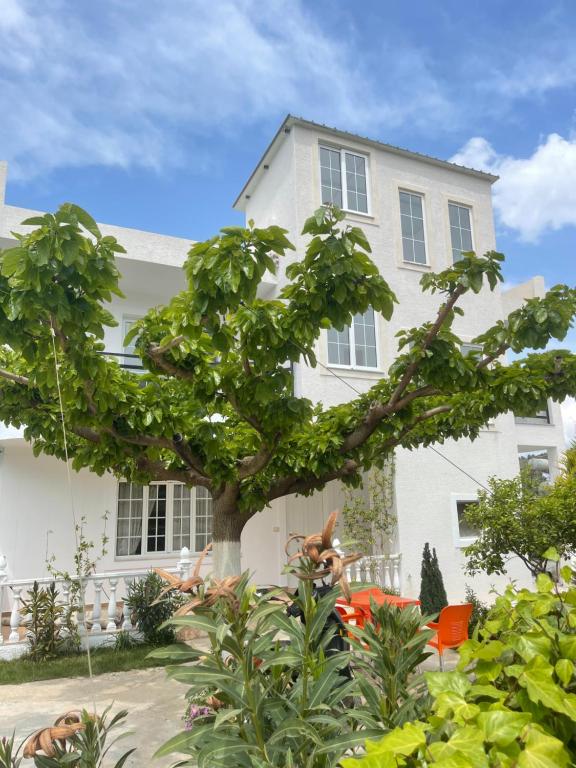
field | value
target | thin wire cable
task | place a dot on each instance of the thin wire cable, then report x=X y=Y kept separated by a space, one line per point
x=73 y=509
x=357 y=391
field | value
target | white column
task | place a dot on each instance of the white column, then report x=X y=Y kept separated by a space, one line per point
x=97 y=609
x=81 y=615
x=184 y=564
x=111 y=626
x=15 y=615
x=396 y=572
x=127 y=623
x=387 y=579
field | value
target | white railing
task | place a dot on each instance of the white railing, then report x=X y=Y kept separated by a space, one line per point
x=104 y=593
x=383 y=570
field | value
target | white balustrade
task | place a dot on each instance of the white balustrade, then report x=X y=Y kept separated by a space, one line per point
x=383 y=570
x=184 y=564
x=3 y=579
x=127 y=624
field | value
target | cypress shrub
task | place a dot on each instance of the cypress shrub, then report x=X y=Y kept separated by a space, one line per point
x=432 y=593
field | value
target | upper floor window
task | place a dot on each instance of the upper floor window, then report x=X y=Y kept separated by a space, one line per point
x=355 y=346
x=412 y=220
x=460 y=230
x=343 y=179
x=162 y=517
x=541 y=416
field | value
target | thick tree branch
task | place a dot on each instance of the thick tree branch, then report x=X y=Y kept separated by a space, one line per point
x=14 y=377
x=296 y=484
x=251 y=465
x=490 y=358
x=159 y=471
x=174 y=370
x=411 y=369
x=187 y=455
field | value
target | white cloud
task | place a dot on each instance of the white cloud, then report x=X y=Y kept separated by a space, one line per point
x=137 y=83
x=534 y=194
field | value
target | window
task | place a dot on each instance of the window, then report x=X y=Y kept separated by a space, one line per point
x=464 y=532
x=130 y=360
x=412 y=221
x=162 y=517
x=537 y=463
x=460 y=230
x=343 y=179
x=539 y=417
x=355 y=346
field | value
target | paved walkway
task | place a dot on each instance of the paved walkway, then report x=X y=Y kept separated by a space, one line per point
x=155 y=707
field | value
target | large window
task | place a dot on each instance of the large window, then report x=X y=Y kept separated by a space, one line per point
x=343 y=179
x=541 y=416
x=460 y=230
x=162 y=517
x=412 y=220
x=356 y=345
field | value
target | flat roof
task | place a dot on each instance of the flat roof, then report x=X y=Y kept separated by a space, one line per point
x=291 y=120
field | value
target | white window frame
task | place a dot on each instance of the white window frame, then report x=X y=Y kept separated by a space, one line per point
x=471 y=214
x=343 y=151
x=422 y=196
x=168 y=551
x=460 y=541
x=352 y=343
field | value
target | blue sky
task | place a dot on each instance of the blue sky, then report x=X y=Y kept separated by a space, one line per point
x=152 y=115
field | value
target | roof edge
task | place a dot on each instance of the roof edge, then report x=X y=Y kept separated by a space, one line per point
x=291 y=120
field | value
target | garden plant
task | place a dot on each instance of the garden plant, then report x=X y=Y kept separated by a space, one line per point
x=432 y=591
x=511 y=703
x=216 y=407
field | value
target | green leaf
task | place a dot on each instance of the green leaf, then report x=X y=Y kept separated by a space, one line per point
x=564 y=668
x=502 y=727
x=543 y=751
x=402 y=741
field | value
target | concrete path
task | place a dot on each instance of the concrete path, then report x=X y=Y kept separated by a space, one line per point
x=155 y=707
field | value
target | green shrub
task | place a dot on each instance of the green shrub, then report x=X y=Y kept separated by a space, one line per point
x=512 y=700
x=50 y=628
x=9 y=753
x=432 y=592
x=479 y=610
x=149 y=611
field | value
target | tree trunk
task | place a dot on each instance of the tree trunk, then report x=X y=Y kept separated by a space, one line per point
x=228 y=525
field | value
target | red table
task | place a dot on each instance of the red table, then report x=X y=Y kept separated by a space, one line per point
x=362 y=599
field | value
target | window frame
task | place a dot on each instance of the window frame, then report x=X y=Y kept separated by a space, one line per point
x=342 y=151
x=470 y=209
x=352 y=342
x=422 y=196
x=169 y=531
x=460 y=542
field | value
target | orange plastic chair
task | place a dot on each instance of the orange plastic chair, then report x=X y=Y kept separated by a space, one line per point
x=351 y=616
x=451 y=628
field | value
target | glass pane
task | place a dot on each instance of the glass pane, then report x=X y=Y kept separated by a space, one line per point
x=365 y=340
x=123 y=490
x=453 y=215
x=408 y=249
x=456 y=238
x=339 y=347
x=419 y=252
x=122 y=547
x=352 y=201
x=405 y=204
x=123 y=528
x=418 y=229
x=464 y=217
x=466 y=240
x=406 y=226
x=416 y=202
x=466 y=530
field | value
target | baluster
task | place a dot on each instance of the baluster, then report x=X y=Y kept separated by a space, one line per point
x=111 y=626
x=97 y=608
x=184 y=563
x=127 y=625
x=396 y=572
x=387 y=579
x=14 y=636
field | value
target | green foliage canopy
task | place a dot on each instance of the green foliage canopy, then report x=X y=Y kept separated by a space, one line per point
x=216 y=406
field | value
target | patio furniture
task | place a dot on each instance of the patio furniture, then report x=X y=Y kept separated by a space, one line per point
x=349 y=615
x=451 y=628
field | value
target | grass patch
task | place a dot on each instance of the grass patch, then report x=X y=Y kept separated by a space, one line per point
x=103 y=660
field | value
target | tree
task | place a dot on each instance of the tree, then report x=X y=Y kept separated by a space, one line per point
x=432 y=592
x=216 y=408
x=517 y=518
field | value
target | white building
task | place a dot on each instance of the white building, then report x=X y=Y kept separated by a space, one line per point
x=418 y=213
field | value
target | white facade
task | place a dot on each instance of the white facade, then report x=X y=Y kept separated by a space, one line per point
x=36 y=518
